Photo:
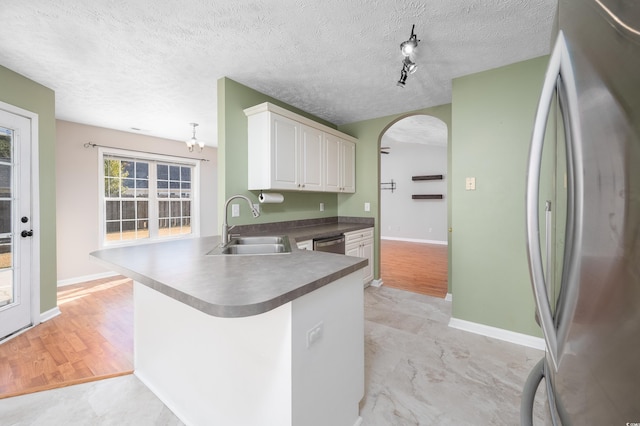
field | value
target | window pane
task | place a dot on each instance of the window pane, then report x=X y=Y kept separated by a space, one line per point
x=174 y=172
x=128 y=229
x=163 y=184
x=5 y=179
x=175 y=209
x=127 y=169
x=113 y=231
x=142 y=170
x=5 y=216
x=163 y=209
x=143 y=210
x=112 y=187
x=5 y=143
x=185 y=174
x=128 y=210
x=163 y=172
x=111 y=168
x=113 y=210
x=186 y=208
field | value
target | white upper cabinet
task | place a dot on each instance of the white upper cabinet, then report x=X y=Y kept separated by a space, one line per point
x=290 y=152
x=340 y=157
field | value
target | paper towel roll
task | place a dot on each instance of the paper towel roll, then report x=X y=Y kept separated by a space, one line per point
x=270 y=198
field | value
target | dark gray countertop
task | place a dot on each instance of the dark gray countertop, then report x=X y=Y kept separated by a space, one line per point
x=307 y=229
x=227 y=286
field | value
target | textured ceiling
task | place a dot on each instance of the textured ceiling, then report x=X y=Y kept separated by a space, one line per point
x=422 y=129
x=153 y=64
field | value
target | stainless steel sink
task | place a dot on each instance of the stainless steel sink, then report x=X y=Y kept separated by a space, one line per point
x=254 y=249
x=257 y=240
x=253 y=246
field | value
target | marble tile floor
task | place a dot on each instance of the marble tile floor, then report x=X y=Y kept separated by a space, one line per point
x=419 y=371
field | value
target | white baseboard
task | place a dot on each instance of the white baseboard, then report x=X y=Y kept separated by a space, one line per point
x=85 y=278
x=449 y=297
x=498 y=333
x=358 y=421
x=376 y=283
x=416 y=240
x=51 y=313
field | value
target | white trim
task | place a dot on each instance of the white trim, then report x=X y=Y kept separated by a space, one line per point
x=358 y=421
x=376 y=283
x=449 y=297
x=35 y=206
x=51 y=313
x=416 y=240
x=498 y=333
x=85 y=278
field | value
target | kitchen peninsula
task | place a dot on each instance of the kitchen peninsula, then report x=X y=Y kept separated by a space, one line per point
x=245 y=340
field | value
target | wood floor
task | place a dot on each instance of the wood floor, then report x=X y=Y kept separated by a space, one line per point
x=91 y=339
x=420 y=268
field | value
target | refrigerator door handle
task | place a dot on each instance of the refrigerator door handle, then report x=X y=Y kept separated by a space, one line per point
x=559 y=68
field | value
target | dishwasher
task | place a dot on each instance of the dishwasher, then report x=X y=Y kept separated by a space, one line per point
x=333 y=244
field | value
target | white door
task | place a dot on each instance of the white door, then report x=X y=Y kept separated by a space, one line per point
x=15 y=223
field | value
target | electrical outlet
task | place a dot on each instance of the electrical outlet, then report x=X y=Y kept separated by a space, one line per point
x=367 y=207
x=314 y=334
x=470 y=184
x=321 y=207
x=235 y=210
x=257 y=207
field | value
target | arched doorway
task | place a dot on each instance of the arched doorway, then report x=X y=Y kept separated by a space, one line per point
x=413 y=205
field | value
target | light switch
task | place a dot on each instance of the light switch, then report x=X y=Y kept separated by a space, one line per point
x=470 y=184
x=235 y=210
x=367 y=207
x=321 y=207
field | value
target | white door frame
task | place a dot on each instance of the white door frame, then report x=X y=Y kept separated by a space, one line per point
x=35 y=210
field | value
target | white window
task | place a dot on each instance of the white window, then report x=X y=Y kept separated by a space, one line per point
x=147 y=197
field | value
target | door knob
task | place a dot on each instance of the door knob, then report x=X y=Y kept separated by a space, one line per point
x=26 y=234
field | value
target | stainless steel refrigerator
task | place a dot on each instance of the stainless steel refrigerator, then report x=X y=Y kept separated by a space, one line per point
x=583 y=217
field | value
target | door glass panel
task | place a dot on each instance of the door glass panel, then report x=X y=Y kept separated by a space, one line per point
x=7 y=290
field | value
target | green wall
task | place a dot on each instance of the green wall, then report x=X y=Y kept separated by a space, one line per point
x=29 y=95
x=492 y=115
x=369 y=133
x=233 y=98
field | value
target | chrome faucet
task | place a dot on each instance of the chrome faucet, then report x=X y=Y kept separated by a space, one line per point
x=225 y=224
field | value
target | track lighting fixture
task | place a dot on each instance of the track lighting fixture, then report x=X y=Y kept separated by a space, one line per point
x=193 y=141
x=408 y=66
x=403 y=78
x=407 y=47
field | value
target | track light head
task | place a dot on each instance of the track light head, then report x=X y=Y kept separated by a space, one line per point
x=407 y=47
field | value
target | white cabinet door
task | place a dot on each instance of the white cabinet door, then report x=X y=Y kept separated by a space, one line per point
x=311 y=159
x=352 y=250
x=360 y=244
x=285 y=139
x=332 y=157
x=348 y=171
x=366 y=251
x=340 y=156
